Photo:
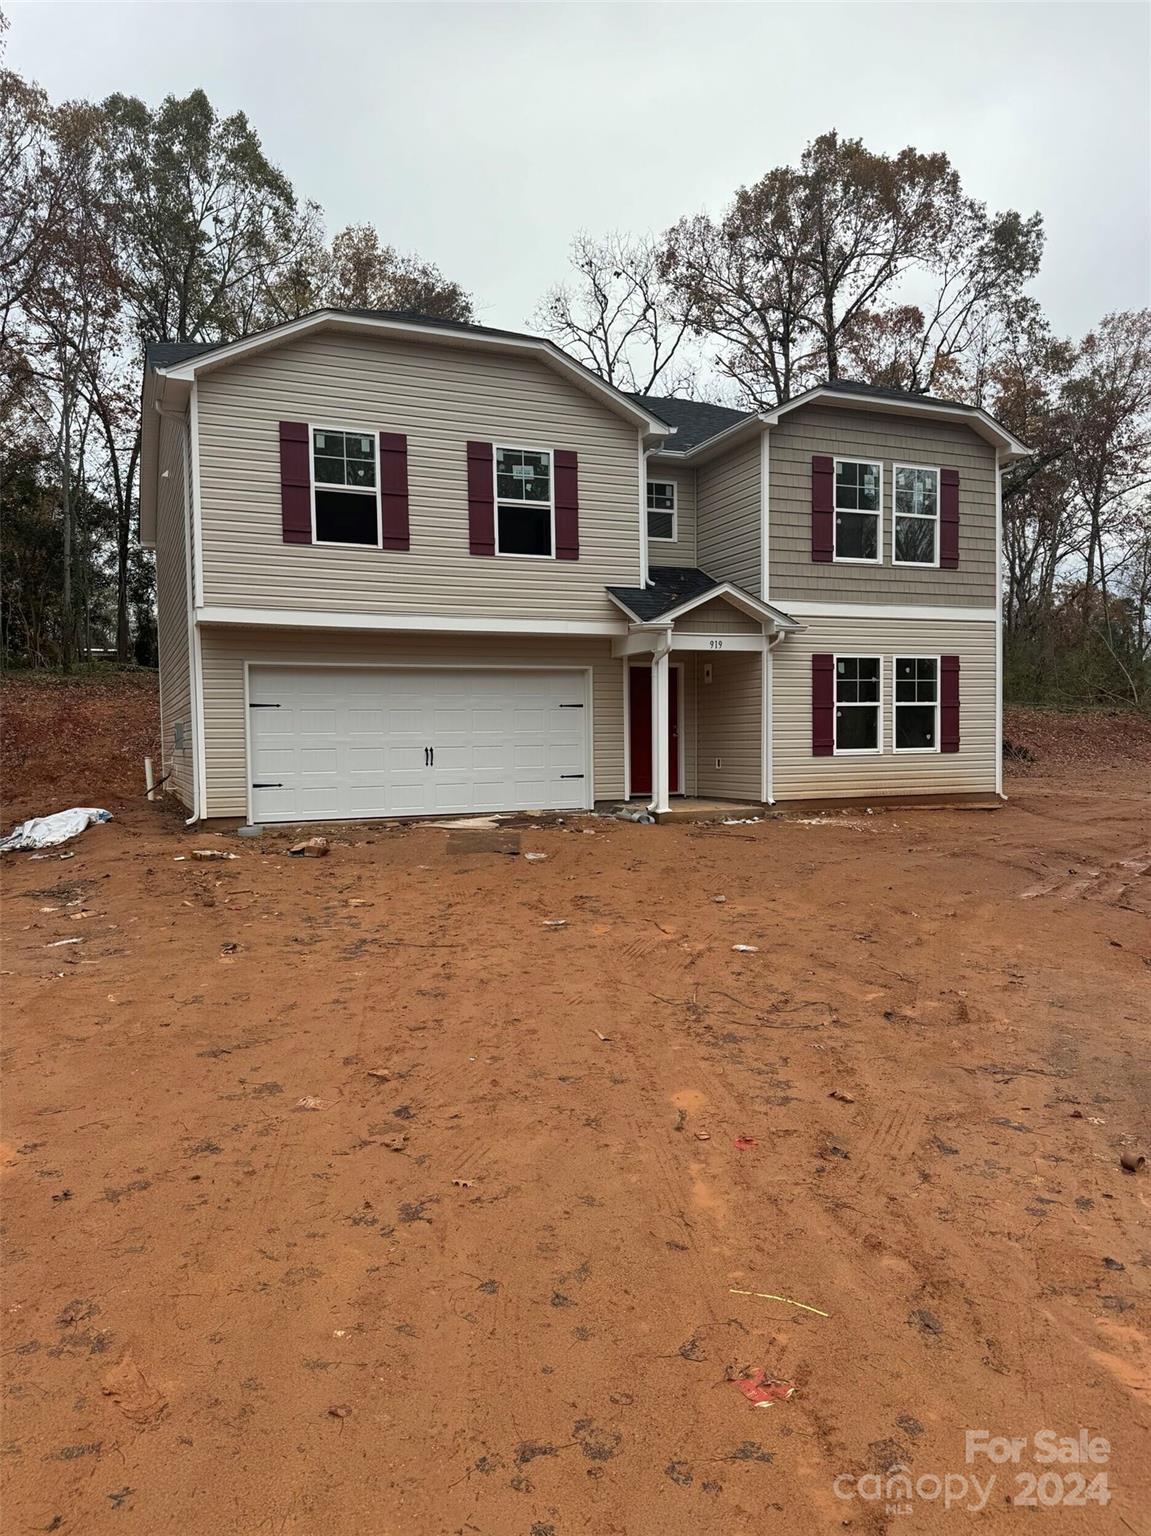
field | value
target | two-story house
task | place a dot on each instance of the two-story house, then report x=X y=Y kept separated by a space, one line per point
x=410 y=567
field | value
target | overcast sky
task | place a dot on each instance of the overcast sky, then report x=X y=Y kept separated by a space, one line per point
x=482 y=135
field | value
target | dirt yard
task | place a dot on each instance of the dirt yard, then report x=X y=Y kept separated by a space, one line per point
x=427 y=1189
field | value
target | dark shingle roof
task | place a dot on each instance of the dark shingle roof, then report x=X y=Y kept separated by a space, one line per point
x=164 y=354
x=880 y=391
x=694 y=420
x=671 y=586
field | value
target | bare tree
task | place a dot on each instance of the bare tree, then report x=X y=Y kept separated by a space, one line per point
x=620 y=316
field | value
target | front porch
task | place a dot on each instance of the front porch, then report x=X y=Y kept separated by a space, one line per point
x=697 y=679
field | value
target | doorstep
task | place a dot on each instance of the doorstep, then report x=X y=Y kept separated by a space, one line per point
x=691 y=808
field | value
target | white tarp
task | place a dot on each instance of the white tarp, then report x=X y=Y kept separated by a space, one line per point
x=47 y=831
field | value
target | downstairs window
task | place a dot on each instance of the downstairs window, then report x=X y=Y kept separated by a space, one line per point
x=917 y=703
x=857 y=703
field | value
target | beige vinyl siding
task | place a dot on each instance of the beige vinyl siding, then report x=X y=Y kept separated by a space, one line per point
x=800 y=775
x=440 y=397
x=682 y=549
x=226 y=649
x=890 y=440
x=172 y=500
x=718 y=617
x=730 y=726
x=728 y=513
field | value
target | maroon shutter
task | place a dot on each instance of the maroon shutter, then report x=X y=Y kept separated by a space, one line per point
x=295 y=483
x=822 y=706
x=567 y=505
x=481 y=500
x=822 y=508
x=949 y=703
x=949 y=519
x=394 y=490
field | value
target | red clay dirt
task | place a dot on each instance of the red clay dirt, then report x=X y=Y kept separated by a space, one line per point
x=347 y=1196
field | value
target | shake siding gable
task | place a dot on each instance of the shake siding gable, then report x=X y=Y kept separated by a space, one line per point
x=815 y=430
x=728 y=513
x=440 y=398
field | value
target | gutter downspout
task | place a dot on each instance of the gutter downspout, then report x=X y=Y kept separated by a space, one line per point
x=768 y=722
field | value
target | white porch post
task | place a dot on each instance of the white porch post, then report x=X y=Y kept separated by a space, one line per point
x=660 y=759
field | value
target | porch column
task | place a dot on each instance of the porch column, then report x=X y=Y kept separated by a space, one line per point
x=660 y=757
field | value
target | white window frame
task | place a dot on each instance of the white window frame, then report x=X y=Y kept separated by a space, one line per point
x=896 y=705
x=360 y=490
x=933 y=469
x=838 y=751
x=536 y=505
x=839 y=559
x=664 y=538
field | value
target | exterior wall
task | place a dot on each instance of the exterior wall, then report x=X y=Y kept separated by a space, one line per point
x=226 y=649
x=889 y=439
x=800 y=775
x=729 y=513
x=718 y=617
x=440 y=397
x=172 y=502
x=730 y=714
x=682 y=549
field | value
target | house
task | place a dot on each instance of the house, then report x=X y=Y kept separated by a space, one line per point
x=411 y=567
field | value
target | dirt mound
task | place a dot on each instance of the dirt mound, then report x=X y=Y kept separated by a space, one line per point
x=76 y=740
x=1045 y=741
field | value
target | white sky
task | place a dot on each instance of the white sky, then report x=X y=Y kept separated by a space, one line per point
x=482 y=135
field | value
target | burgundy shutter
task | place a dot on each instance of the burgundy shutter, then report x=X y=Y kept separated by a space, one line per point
x=822 y=706
x=394 y=490
x=949 y=703
x=949 y=519
x=481 y=500
x=295 y=483
x=822 y=508
x=566 y=504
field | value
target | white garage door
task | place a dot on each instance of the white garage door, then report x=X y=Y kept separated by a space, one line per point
x=338 y=743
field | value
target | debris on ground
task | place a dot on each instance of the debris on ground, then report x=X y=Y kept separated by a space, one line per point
x=1130 y=1162
x=213 y=853
x=745 y=949
x=313 y=848
x=605 y=1038
x=787 y=1301
x=50 y=831
x=555 y=922
x=381 y=1074
x=308 y=1102
x=762 y=1390
x=703 y=1135
x=535 y=858
x=844 y=1098
x=396 y=1143
x=254 y=830
x=744 y=1143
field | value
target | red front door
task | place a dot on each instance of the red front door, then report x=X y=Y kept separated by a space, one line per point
x=639 y=709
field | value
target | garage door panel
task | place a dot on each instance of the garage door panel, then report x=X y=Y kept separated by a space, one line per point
x=351 y=742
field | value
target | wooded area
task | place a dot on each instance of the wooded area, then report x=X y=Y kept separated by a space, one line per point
x=122 y=223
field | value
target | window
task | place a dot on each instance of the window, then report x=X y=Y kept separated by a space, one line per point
x=523 y=502
x=916 y=520
x=344 y=487
x=661 y=509
x=917 y=703
x=857 y=703
x=858 y=499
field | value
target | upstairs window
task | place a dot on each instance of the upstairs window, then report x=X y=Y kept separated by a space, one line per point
x=345 y=487
x=661 y=518
x=858 y=499
x=857 y=703
x=917 y=703
x=524 y=506
x=915 y=535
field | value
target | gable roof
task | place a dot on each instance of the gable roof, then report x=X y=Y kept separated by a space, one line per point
x=677 y=589
x=694 y=420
